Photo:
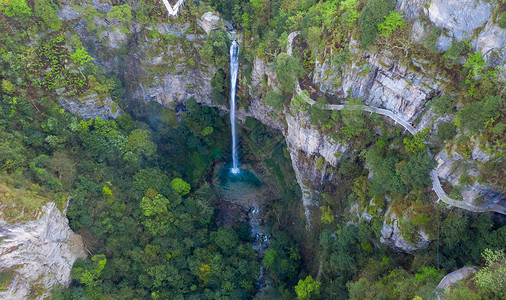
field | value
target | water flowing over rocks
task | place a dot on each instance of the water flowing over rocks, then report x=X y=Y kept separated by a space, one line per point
x=40 y=253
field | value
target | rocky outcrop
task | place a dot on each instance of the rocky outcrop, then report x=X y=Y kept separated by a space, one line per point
x=460 y=17
x=387 y=83
x=492 y=43
x=210 y=21
x=38 y=254
x=412 y=9
x=451 y=278
x=92 y=106
x=391 y=234
x=469 y=19
x=476 y=197
x=300 y=135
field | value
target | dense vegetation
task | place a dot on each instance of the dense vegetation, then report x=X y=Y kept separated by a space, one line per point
x=139 y=185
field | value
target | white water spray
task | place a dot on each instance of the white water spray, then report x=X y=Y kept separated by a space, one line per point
x=234 y=68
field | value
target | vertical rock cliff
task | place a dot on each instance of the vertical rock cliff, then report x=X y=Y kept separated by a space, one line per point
x=37 y=255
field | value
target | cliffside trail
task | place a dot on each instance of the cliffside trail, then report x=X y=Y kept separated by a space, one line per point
x=436 y=184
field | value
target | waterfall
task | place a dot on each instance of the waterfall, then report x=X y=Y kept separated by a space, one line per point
x=234 y=68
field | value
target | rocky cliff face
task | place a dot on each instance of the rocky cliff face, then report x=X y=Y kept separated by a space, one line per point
x=392 y=235
x=451 y=166
x=380 y=81
x=459 y=20
x=37 y=255
x=163 y=73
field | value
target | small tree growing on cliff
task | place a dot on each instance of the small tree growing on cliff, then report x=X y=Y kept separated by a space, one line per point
x=492 y=278
x=288 y=71
x=392 y=22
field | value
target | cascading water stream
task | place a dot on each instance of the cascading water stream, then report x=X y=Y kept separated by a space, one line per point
x=234 y=68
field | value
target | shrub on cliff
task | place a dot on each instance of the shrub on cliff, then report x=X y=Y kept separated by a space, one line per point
x=288 y=70
x=372 y=15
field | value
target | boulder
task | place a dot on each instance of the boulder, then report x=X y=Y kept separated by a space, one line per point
x=210 y=21
x=452 y=278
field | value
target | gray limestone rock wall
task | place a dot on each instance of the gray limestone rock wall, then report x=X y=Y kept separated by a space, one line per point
x=386 y=83
x=412 y=9
x=91 y=106
x=40 y=254
x=471 y=20
x=491 y=42
x=460 y=17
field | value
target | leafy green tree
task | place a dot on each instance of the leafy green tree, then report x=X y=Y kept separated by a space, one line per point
x=149 y=178
x=307 y=288
x=90 y=276
x=226 y=239
x=416 y=144
x=453 y=55
x=476 y=64
x=180 y=186
x=288 y=71
x=372 y=15
x=501 y=20
x=89 y=13
x=416 y=172
x=80 y=56
x=320 y=115
x=122 y=13
x=445 y=131
x=385 y=177
x=472 y=116
x=12 y=152
x=492 y=277
x=63 y=166
x=214 y=52
x=159 y=218
x=353 y=117
x=299 y=103
x=140 y=143
x=221 y=87
x=275 y=99
x=47 y=10
x=443 y=105
x=314 y=38
x=392 y=22
x=350 y=13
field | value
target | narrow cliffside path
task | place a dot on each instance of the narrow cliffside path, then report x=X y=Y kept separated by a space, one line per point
x=436 y=184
